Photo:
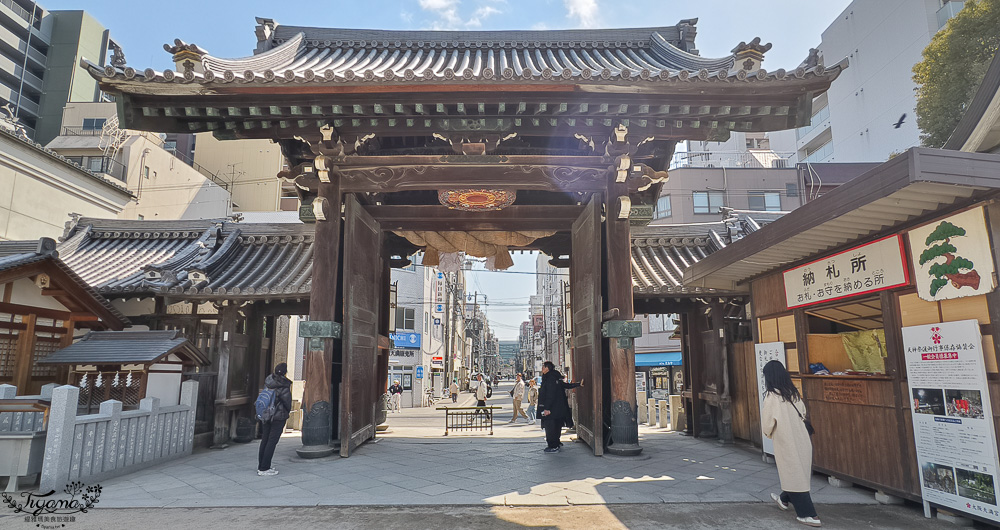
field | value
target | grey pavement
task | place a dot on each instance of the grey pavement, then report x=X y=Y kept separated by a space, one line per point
x=413 y=464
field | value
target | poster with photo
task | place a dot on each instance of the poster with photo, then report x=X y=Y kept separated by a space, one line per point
x=952 y=418
x=765 y=353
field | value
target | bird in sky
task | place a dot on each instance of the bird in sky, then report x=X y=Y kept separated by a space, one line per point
x=899 y=123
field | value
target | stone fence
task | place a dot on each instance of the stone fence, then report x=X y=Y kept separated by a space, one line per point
x=23 y=421
x=94 y=447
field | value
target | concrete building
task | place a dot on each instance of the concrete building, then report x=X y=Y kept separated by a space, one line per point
x=694 y=195
x=869 y=112
x=551 y=289
x=40 y=70
x=249 y=169
x=41 y=188
x=164 y=187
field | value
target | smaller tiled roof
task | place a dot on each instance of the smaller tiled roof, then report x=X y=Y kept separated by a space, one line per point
x=211 y=258
x=127 y=347
x=661 y=253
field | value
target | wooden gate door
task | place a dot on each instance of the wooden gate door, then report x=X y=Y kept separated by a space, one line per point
x=362 y=278
x=585 y=295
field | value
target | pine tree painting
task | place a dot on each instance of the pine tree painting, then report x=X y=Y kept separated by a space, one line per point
x=951 y=269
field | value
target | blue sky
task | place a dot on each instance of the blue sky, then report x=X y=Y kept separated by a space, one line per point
x=225 y=29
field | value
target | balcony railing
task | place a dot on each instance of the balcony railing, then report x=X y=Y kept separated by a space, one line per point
x=102 y=164
x=81 y=131
x=752 y=158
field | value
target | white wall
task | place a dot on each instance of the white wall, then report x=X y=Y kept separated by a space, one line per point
x=252 y=166
x=38 y=192
x=882 y=39
x=166 y=386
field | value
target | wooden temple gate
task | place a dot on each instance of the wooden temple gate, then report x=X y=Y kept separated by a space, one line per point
x=381 y=129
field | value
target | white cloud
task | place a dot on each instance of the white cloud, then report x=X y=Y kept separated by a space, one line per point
x=584 y=11
x=447 y=13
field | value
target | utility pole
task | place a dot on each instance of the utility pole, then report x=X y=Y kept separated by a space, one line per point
x=447 y=328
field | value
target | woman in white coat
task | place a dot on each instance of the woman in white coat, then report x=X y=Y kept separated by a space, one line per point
x=783 y=420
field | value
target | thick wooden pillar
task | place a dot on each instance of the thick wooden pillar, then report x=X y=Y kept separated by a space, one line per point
x=624 y=417
x=317 y=399
x=24 y=356
x=226 y=334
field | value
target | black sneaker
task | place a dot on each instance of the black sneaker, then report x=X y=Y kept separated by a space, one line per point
x=551 y=450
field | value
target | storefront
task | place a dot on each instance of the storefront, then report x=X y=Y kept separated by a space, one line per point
x=841 y=285
x=662 y=371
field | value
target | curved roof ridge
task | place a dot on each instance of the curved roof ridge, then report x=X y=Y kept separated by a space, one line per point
x=273 y=59
x=284 y=33
x=672 y=54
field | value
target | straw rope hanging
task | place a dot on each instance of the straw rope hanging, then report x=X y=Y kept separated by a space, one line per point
x=478 y=244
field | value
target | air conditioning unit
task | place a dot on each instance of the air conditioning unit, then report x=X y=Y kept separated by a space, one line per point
x=779 y=163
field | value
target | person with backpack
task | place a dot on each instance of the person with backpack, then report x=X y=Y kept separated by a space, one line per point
x=783 y=420
x=273 y=407
x=553 y=406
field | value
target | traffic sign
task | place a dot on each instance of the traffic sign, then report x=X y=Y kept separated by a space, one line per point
x=420 y=372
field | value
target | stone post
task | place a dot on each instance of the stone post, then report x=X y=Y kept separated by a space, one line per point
x=651 y=411
x=640 y=397
x=59 y=438
x=8 y=391
x=113 y=409
x=150 y=406
x=189 y=398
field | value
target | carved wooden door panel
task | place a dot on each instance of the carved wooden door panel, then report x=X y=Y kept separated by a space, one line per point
x=585 y=295
x=362 y=289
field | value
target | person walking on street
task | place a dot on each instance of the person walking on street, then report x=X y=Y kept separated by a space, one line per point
x=482 y=393
x=532 y=401
x=783 y=420
x=396 y=395
x=453 y=389
x=553 y=406
x=518 y=394
x=272 y=428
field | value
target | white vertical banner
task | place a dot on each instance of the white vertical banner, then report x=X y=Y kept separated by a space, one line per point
x=767 y=352
x=952 y=417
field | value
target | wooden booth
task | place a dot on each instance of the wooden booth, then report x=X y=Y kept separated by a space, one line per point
x=836 y=282
x=476 y=142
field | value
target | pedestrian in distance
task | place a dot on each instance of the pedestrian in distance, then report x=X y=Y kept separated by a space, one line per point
x=395 y=395
x=518 y=394
x=532 y=401
x=783 y=420
x=553 y=406
x=273 y=416
x=454 y=391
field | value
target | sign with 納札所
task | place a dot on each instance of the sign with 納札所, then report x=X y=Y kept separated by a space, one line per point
x=868 y=268
x=952 y=258
x=952 y=417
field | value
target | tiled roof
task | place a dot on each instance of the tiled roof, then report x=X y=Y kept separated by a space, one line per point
x=660 y=254
x=126 y=347
x=197 y=259
x=333 y=55
x=72 y=166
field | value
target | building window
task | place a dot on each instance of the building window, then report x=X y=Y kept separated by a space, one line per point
x=708 y=201
x=93 y=124
x=145 y=171
x=662 y=207
x=405 y=318
x=170 y=145
x=765 y=201
x=96 y=164
x=791 y=189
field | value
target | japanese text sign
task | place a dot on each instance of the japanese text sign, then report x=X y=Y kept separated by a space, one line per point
x=876 y=266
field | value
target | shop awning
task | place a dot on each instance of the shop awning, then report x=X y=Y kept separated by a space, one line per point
x=667 y=358
x=910 y=185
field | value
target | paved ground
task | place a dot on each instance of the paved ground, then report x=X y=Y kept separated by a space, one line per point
x=611 y=517
x=414 y=465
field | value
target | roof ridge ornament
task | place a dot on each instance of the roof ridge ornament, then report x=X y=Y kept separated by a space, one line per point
x=749 y=56
x=187 y=57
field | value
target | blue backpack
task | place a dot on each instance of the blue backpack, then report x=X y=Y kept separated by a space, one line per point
x=266 y=404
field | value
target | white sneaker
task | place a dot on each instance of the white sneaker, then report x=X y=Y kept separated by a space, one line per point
x=269 y=473
x=809 y=521
x=532 y=422
x=777 y=498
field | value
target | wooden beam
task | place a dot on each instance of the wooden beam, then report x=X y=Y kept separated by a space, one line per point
x=522 y=177
x=440 y=218
x=54 y=292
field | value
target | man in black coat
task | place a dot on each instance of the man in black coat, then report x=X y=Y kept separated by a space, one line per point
x=553 y=407
x=271 y=430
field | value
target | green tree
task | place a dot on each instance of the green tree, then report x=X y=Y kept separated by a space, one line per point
x=951 y=269
x=953 y=66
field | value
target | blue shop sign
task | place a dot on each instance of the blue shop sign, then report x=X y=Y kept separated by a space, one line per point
x=420 y=372
x=405 y=340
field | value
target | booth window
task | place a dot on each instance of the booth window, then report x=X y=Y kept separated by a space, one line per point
x=847 y=338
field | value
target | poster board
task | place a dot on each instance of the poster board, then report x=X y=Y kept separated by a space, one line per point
x=952 y=417
x=765 y=353
x=952 y=257
x=640 y=382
